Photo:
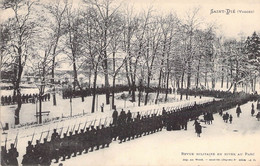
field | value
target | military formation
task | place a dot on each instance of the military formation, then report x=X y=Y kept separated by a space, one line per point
x=124 y=127
x=28 y=98
x=68 y=93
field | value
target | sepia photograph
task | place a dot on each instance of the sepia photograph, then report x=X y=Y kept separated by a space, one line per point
x=130 y=82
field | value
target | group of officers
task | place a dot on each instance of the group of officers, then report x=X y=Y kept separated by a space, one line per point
x=28 y=98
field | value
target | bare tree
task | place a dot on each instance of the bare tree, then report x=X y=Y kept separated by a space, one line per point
x=57 y=10
x=22 y=28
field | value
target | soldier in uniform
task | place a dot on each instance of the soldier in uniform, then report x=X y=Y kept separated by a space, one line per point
x=86 y=140
x=115 y=117
x=81 y=141
x=64 y=149
x=129 y=116
x=37 y=151
x=56 y=148
x=3 y=156
x=138 y=116
x=70 y=144
x=12 y=156
x=54 y=134
x=28 y=158
x=45 y=149
x=2 y=100
x=92 y=135
x=98 y=140
x=75 y=139
x=108 y=135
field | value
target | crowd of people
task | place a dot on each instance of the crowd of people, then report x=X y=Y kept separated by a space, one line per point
x=25 y=98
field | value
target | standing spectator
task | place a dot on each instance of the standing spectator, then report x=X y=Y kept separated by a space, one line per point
x=9 y=99
x=198 y=129
x=238 y=111
x=252 y=111
x=258 y=116
x=102 y=107
x=2 y=100
x=230 y=119
x=49 y=96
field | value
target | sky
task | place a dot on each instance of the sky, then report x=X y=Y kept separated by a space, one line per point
x=229 y=25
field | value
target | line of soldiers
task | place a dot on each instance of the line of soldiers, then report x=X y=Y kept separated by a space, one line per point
x=10 y=157
x=28 y=98
x=213 y=93
x=70 y=93
x=123 y=128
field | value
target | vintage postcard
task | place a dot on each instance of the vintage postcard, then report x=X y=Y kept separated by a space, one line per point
x=130 y=83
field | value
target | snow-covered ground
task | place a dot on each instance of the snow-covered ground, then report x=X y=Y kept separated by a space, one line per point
x=163 y=148
x=238 y=143
x=25 y=133
x=64 y=108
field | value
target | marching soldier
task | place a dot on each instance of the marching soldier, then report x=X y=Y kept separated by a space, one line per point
x=129 y=116
x=28 y=158
x=54 y=134
x=92 y=135
x=64 y=150
x=115 y=116
x=37 y=151
x=3 y=156
x=86 y=140
x=98 y=140
x=45 y=149
x=12 y=156
x=138 y=116
x=70 y=144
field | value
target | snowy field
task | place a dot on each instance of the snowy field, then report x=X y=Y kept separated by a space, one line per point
x=64 y=107
x=25 y=133
x=168 y=147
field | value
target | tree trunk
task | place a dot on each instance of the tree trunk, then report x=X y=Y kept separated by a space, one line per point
x=167 y=77
x=106 y=81
x=139 y=98
x=189 y=75
x=158 y=88
x=177 y=83
x=227 y=81
x=113 y=92
x=236 y=78
x=17 y=110
x=133 y=91
x=94 y=91
x=147 y=87
x=52 y=81
x=206 y=80
x=182 y=82
x=40 y=109
x=222 y=77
